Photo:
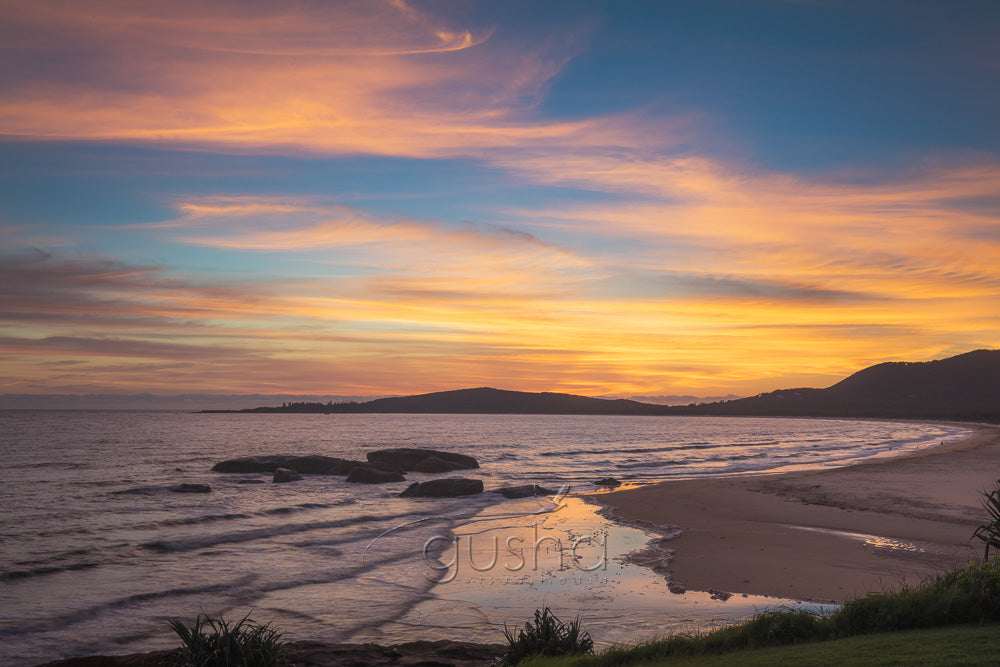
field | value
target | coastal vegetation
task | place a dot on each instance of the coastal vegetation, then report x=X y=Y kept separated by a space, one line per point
x=967 y=596
x=216 y=642
x=547 y=636
x=989 y=532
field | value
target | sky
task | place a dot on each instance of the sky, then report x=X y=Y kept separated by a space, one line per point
x=702 y=197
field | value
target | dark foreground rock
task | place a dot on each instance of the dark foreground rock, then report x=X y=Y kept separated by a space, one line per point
x=191 y=488
x=448 y=487
x=318 y=654
x=313 y=464
x=524 y=491
x=408 y=458
x=284 y=475
x=608 y=481
x=365 y=474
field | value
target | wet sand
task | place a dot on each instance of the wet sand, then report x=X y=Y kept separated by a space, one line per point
x=829 y=535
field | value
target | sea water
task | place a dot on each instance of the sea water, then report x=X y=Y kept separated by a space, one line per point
x=98 y=554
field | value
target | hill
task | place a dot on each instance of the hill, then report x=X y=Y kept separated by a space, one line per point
x=966 y=386
x=483 y=400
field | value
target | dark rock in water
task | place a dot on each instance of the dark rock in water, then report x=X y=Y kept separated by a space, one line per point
x=443 y=488
x=320 y=465
x=250 y=481
x=191 y=488
x=608 y=481
x=138 y=490
x=307 y=465
x=282 y=475
x=252 y=464
x=408 y=458
x=434 y=464
x=366 y=474
x=719 y=595
x=524 y=491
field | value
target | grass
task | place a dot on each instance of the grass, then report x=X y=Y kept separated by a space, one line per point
x=216 y=642
x=954 y=645
x=546 y=636
x=968 y=595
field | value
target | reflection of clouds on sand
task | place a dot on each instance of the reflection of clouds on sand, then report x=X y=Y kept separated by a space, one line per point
x=618 y=600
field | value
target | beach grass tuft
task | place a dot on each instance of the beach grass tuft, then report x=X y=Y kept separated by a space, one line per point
x=546 y=636
x=216 y=642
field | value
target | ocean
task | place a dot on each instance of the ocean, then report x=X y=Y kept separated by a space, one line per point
x=98 y=553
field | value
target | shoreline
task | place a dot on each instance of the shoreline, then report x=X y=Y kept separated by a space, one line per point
x=827 y=535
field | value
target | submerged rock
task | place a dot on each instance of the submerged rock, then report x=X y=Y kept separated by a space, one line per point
x=250 y=481
x=313 y=464
x=282 y=475
x=191 y=488
x=524 y=491
x=608 y=481
x=408 y=458
x=448 y=487
x=366 y=474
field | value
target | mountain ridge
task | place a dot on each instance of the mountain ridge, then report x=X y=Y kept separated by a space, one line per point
x=965 y=386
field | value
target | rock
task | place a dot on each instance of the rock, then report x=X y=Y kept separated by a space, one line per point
x=442 y=653
x=448 y=487
x=608 y=481
x=282 y=475
x=524 y=491
x=408 y=458
x=366 y=474
x=722 y=596
x=252 y=464
x=676 y=589
x=250 y=481
x=191 y=488
x=321 y=465
x=313 y=464
x=434 y=464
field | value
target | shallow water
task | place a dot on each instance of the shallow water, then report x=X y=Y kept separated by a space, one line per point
x=97 y=555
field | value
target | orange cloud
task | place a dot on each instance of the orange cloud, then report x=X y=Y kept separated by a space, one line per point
x=336 y=78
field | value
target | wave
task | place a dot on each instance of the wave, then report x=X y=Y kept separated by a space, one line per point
x=10 y=575
x=204 y=541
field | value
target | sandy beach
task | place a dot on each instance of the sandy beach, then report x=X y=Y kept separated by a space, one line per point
x=829 y=535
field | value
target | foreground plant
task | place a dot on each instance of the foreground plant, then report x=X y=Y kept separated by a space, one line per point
x=216 y=642
x=990 y=532
x=546 y=636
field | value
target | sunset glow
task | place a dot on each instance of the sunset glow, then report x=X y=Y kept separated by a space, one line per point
x=397 y=197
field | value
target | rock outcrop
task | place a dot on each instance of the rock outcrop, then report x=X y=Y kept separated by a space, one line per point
x=306 y=465
x=448 y=487
x=442 y=653
x=366 y=474
x=608 y=481
x=408 y=458
x=524 y=491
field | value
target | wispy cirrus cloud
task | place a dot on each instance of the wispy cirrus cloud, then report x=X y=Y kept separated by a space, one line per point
x=335 y=78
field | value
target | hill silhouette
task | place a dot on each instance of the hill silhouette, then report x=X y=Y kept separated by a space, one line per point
x=966 y=386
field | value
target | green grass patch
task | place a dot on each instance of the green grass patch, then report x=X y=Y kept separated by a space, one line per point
x=955 y=645
x=968 y=595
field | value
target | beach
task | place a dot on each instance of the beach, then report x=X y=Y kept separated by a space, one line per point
x=827 y=535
